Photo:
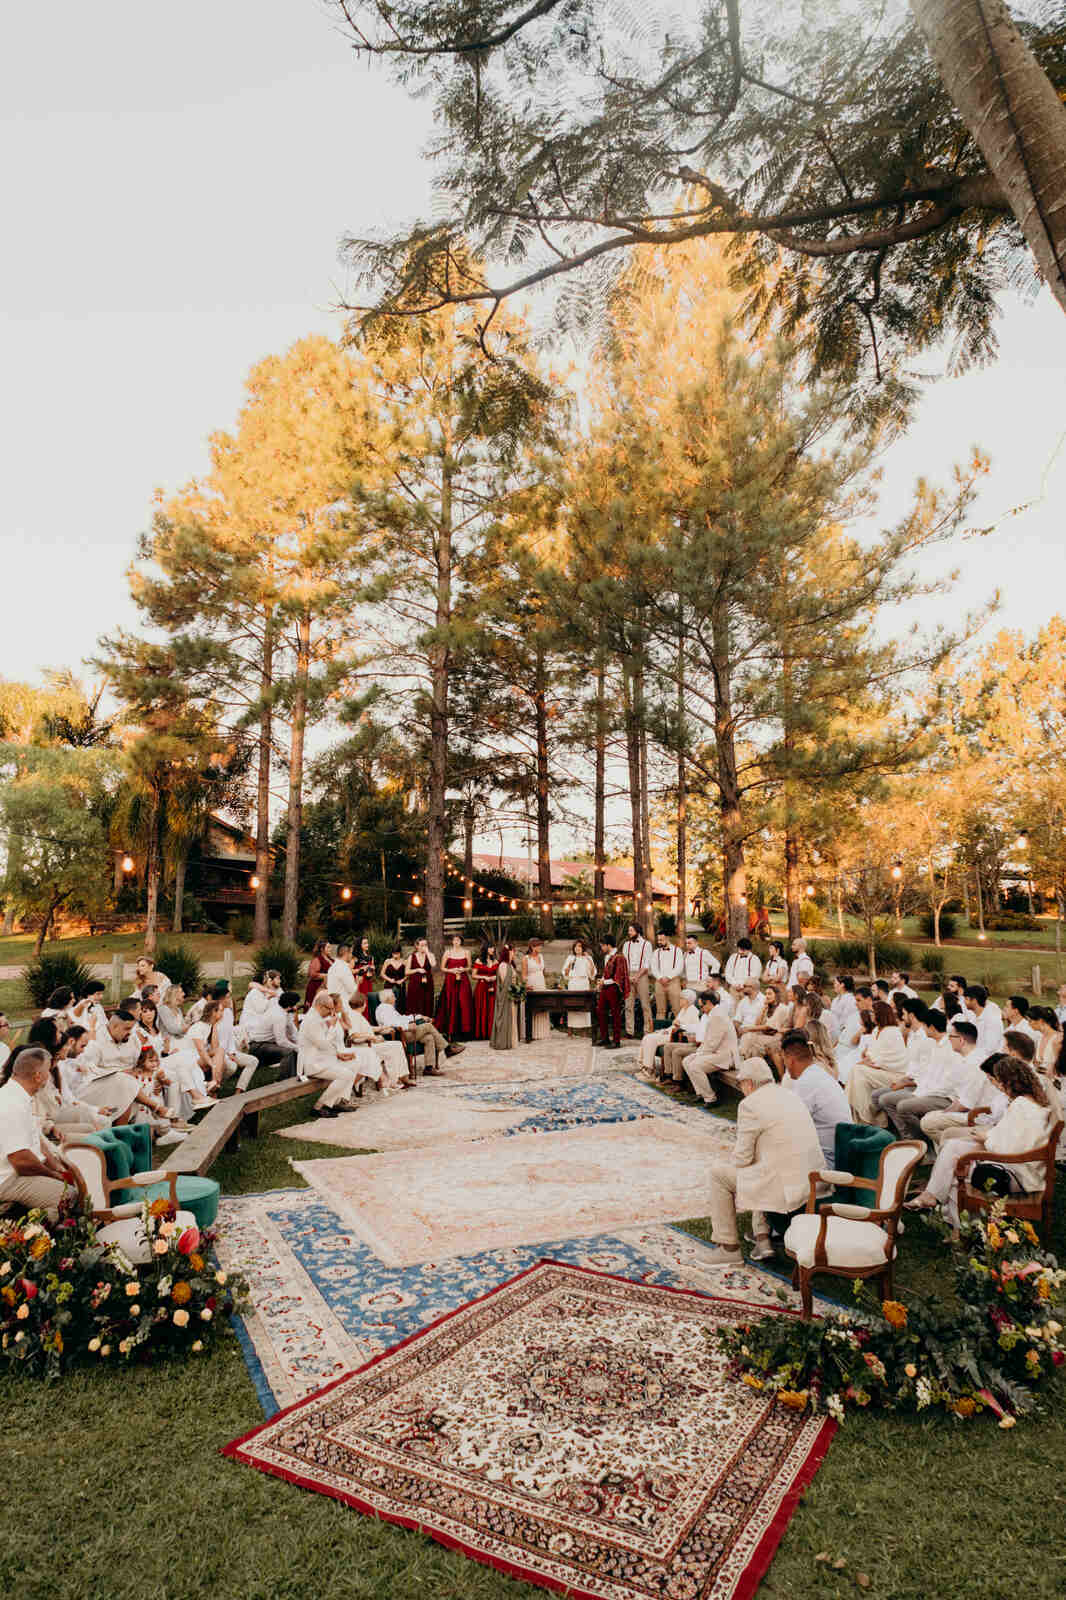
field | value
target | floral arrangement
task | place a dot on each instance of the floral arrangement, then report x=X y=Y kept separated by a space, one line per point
x=990 y=1351
x=66 y=1298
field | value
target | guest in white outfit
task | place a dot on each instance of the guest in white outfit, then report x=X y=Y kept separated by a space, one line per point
x=685 y=1029
x=1016 y=1017
x=988 y=1018
x=822 y=1095
x=882 y=1063
x=722 y=995
x=533 y=977
x=743 y=965
x=802 y=967
x=390 y=1057
x=579 y=972
x=322 y=1054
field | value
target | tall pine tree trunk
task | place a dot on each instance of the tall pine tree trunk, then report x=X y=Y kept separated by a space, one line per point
x=788 y=741
x=179 y=894
x=633 y=761
x=681 y=818
x=734 y=877
x=792 y=883
x=469 y=817
x=152 y=872
x=540 y=714
x=291 y=907
x=1014 y=113
x=439 y=664
x=645 y=908
x=599 y=843
x=262 y=794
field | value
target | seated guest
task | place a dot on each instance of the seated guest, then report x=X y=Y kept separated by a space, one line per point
x=196 y=1010
x=1022 y=1125
x=323 y=1054
x=749 y=1014
x=155 y=1083
x=974 y=1089
x=676 y=1050
x=60 y=1004
x=931 y=1087
x=60 y=1114
x=720 y=989
x=234 y=1059
x=681 y=1031
x=257 y=1002
x=820 y=1093
x=389 y=1055
x=108 y=1065
x=816 y=1032
x=1017 y=1015
x=88 y=1009
x=32 y=1173
x=848 y=1045
x=416 y=1030
x=270 y=1031
x=776 y=1151
x=716 y=1052
x=145 y=974
x=900 y=984
x=1051 y=1050
x=882 y=1062
x=987 y=1017
x=172 y=1023
x=1020 y=1045
x=763 y=1038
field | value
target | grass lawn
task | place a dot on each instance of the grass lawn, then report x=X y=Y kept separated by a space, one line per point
x=17 y=948
x=114 y=1487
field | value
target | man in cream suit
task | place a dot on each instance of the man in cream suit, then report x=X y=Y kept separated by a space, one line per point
x=716 y=1052
x=777 y=1149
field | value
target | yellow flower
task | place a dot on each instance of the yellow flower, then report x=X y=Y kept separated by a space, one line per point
x=751 y=1381
x=159 y=1208
x=40 y=1246
x=911 y=1370
x=131 y=1289
x=57 y=1343
x=181 y=1294
x=23 y=1312
x=995 y=1238
x=1043 y=1290
x=196 y=1263
x=1030 y=1234
x=197 y=1345
x=964 y=1407
x=135 y=1311
x=894 y=1313
x=8 y=1294
x=794 y=1399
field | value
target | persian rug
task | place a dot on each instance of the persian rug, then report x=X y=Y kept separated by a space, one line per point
x=556 y=1057
x=570 y=1427
x=324 y=1303
x=437 y=1114
x=462 y=1198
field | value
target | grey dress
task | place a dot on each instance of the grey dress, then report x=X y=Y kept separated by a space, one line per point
x=503 y=1018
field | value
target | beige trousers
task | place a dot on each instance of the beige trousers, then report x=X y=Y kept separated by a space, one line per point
x=432 y=1041
x=33 y=1192
x=639 y=989
x=941 y=1125
x=667 y=996
x=673 y=1056
x=861 y=1085
x=724 y=1208
x=340 y=1083
x=649 y=1048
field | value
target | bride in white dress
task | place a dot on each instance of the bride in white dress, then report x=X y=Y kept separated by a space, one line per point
x=533 y=978
x=579 y=971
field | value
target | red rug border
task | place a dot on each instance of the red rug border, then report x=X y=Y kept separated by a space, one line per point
x=761 y=1557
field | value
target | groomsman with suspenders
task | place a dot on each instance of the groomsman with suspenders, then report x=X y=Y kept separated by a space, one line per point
x=743 y=965
x=668 y=970
x=637 y=952
x=700 y=965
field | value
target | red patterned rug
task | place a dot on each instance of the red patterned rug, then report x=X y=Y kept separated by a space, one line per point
x=572 y=1428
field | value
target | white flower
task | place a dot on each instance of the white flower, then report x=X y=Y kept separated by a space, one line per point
x=105 y=1350
x=220 y=1277
x=198 y=1345
x=924 y=1392
x=5 y=1268
x=164 y=1287
x=32 y=1231
x=94 y=1345
x=205 y=1314
x=135 y=1311
x=168 y=1229
x=835 y=1407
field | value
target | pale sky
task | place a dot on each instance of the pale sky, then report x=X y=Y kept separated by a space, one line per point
x=177 y=182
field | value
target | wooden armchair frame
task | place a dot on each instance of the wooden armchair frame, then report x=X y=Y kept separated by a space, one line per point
x=136 y=1180
x=1035 y=1207
x=886 y=1218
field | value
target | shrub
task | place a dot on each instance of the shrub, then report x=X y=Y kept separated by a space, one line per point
x=277 y=956
x=54 y=971
x=948 y=924
x=180 y=966
x=241 y=929
x=666 y=922
x=523 y=926
x=853 y=955
x=382 y=944
x=1013 y=922
x=994 y=981
x=307 y=936
x=933 y=962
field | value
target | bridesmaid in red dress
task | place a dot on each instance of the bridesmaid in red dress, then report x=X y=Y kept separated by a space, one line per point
x=485 y=969
x=317 y=968
x=420 y=964
x=364 y=967
x=455 y=1008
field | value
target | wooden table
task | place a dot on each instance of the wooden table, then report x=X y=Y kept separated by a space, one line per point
x=557 y=1000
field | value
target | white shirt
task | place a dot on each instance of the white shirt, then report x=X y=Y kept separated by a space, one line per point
x=18 y=1126
x=776 y=969
x=1023 y=1025
x=801 y=966
x=743 y=966
x=905 y=990
x=989 y=1029
x=748 y=1013
x=389 y=1017
x=102 y=1056
x=638 y=955
x=274 y=1026
x=226 y=1031
x=845 y=1009
x=938 y=1072
x=688 y=1020
x=255 y=1012
x=826 y=1101
x=668 y=963
x=700 y=965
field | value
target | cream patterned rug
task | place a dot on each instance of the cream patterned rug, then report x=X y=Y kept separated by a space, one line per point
x=463 y=1198
x=575 y=1429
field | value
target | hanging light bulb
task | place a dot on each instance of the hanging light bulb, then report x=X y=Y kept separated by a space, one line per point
x=897 y=871
x=468 y=905
x=810 y=891
x=253 y=881
x=514 y=905
x=416 y=899
x=346 y=893
x=545 y=906
x=127 y=863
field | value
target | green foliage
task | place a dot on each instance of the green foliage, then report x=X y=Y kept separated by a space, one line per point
x=278 y=956
x=666 y=922
x=51 y=971
x=381 y=944
x=933 y=962
x=50 y=818
x=522 y=926
x=994 y=1349
x=853 y=955
x=308 y=935
x=241 y=928
x=180 y=966
x=68 y=1299
x=948 y=925
x=1013 y=921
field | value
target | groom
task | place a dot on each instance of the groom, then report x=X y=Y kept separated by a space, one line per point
x=614 y=988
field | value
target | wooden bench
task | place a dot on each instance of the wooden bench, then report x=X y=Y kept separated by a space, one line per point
x=224 y=1124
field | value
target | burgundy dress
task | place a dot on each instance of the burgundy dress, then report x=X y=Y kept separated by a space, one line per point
x=420 y=988
x=455 y=1008
x=394 y=977
x=364 y=972
x=484 y=998
x=316 y=977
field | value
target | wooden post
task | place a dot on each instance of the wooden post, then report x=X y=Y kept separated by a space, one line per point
x=227 y=965
x=117 y=964
x=1036 y=982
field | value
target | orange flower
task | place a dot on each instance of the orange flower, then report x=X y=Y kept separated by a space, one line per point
x=181 y=1294
x=196 y=1263
x=40 y=1246
x=1043 y=1289
x=1030 y=1232
x=995 y=1238
x=8 y=1294
x=964 y=1407
x=894 y=1313
x=752 y=1382
x=160 y=1207
x=794 y=1399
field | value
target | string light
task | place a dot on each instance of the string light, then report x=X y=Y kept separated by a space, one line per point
x=468 y=905
x=416 y=899
x=253 y=882
x=127 y=863
x=346 y=893
x=514 y=905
